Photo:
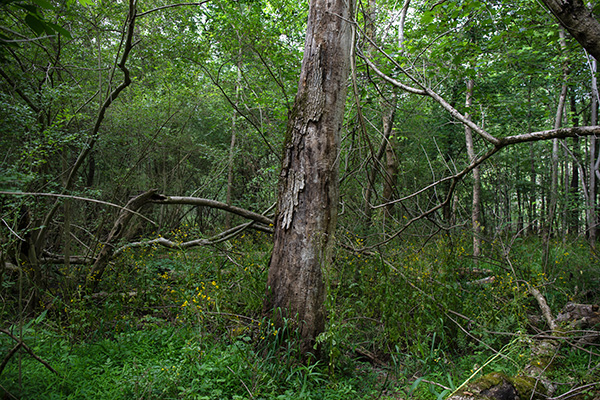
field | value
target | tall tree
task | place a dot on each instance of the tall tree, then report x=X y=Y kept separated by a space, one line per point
x=308 y=183
x=476 y=210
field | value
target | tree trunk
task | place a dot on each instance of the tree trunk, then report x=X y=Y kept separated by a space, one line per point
x=591 y=209
x=573 y=218
x=552 y=208
x=234 y=128
x=579 y=20
x=391 y=160
x=308 y=183
x=476 y=210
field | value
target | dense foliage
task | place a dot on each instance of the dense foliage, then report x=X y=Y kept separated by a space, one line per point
x=101 y=101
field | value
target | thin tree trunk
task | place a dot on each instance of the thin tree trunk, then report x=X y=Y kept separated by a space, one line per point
x=233 y=136
x=574 y=187
x=388 y=116
x=591 y=214
x=308 y=183
x=552 y=208
x=476 y=204
x=391 y=160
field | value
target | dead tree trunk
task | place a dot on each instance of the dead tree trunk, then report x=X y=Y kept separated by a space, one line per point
x=308 y=183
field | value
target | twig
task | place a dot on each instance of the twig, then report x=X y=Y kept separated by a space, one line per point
x=573 y=392
x=7 y=393
x=27 y=349
x=246 y=387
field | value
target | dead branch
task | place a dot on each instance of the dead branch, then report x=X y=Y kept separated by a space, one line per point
x=22 y=344
x=200 y=202
x=117 y=231
x=221 y=237
x=546 y=312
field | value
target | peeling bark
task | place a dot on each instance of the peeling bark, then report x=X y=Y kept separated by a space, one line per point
x=308 y=183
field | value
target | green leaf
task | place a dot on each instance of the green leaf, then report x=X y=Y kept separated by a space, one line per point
x=426 y=18
x=59 y=29
x=35 y=24
x=44 y=4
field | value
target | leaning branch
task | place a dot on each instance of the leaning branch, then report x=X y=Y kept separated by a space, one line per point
x=129 y=31
x=21 y=344
x=426 y=91
x=196 y=201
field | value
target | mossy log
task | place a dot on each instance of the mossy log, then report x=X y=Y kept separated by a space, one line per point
x=531 y=383
x=499 y=386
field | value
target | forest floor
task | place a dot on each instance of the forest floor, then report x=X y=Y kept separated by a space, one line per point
x=415 y=322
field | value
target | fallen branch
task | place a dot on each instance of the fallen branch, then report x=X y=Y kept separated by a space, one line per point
x=544 y=307
x=22 y=344
x=221 y=237
x=200 y=202
x=116 y=232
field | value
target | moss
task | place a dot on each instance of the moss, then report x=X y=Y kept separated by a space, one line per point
x=526 y=386
x=490 y=380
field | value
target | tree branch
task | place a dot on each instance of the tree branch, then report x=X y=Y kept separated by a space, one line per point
x=22 y=344
x=196 y=201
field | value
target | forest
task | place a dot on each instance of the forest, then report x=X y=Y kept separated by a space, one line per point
x=329 y=199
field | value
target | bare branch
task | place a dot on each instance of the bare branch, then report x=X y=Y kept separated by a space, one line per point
x=66 y=196
x=116 y=232
x=221 y=237
x=544 y=307
x=196 y=201
x=22 y=344
x=551 y=134
x=426 y=91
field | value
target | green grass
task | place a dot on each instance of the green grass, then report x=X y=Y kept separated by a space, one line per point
x=188 y=325
x=166 y=363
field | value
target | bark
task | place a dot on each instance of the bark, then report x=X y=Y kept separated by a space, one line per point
x=308 y=183
x=591 y=209
x=578 y=19
x=552 y=209
x=116 y=233
x=476 y=203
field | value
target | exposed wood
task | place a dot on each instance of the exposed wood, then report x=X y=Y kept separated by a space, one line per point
x=308 y=183
x=200 y=202
x=97 y=270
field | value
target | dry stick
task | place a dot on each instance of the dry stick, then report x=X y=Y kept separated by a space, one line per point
x=574 y=391
x=7 y=393
x=544 y=307
x=27 y=349
x=221 y=237
x=66 y=196
x=9 y=356
x=246 y=387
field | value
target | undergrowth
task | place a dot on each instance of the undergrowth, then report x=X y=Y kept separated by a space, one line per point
x=414 y=320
